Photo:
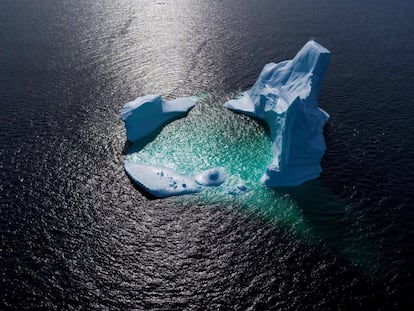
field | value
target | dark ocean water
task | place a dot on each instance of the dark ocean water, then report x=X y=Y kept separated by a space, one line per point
x=76 y=234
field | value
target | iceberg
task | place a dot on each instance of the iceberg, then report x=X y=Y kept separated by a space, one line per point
x=285 y=98
x=160 y=181
x=146 y=114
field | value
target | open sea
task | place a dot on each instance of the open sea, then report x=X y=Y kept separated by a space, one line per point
x=76 y=234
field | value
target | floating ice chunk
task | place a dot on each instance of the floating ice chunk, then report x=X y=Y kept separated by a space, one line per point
x=211 y=177
x=146 y=114
x=159 y=180
x=284 y=96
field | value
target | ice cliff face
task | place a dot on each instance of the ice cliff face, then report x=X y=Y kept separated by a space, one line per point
x=284 y=96
x=148 y=113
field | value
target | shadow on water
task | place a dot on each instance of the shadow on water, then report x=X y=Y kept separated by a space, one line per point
x=335 y=224
x=137 y=146
x=313 y=215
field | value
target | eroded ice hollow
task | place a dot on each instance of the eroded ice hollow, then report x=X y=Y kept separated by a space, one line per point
x=285 y=97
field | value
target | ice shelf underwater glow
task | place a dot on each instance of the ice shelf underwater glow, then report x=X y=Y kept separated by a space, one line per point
x=284 y=96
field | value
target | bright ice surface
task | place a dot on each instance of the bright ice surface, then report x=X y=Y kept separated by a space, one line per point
x=159 y=180
x=284 y=96
x=211 y=177
x=146 y=114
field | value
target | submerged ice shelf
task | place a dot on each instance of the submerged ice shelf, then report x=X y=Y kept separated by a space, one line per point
x=284 y=96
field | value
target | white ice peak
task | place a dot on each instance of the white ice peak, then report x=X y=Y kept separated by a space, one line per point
x=284 y=96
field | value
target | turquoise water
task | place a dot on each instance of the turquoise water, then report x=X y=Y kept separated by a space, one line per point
x=212 y=136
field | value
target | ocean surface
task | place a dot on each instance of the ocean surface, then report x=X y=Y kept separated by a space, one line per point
x=76 y=234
